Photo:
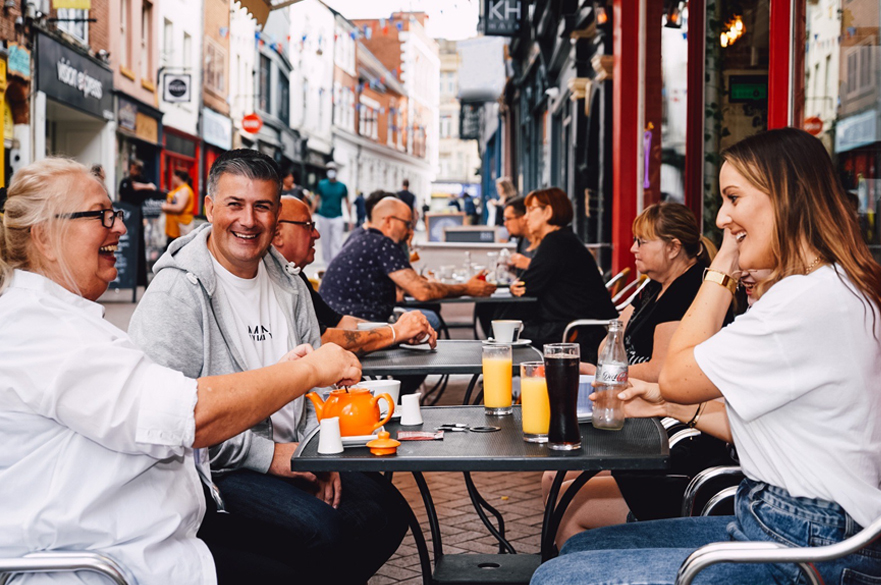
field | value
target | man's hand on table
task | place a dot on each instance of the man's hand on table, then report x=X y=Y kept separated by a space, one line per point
x=412 y=328
x=324 y=486
x=479 y=287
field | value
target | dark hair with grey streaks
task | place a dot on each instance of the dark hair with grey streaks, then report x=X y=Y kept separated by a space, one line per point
x=244 y=162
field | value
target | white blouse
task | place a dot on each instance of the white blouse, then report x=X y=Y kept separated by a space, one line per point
x=96 y=442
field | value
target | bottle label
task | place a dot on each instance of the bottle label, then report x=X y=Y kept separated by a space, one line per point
x=612 y=374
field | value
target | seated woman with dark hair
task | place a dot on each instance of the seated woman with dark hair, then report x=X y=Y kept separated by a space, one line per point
x=563 y=275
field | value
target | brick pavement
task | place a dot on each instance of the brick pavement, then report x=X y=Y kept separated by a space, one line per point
x=517 y=495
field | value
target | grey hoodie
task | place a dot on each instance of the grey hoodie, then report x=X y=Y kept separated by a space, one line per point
x=182 y=323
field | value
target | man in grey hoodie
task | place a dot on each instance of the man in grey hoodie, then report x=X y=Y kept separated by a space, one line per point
x=224 y=301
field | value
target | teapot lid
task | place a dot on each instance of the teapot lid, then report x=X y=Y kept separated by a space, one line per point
x=384 y=445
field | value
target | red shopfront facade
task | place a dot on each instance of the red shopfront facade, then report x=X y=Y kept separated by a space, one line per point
x=181 y=153
x=803 y=63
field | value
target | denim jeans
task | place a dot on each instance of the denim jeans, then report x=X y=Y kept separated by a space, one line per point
x=363 y=532
x=651 y=552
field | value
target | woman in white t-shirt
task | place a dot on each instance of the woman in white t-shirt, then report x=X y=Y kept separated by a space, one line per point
x=799 y=374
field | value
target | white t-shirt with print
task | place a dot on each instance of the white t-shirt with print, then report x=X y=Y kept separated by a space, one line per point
x=801 y=375
x=262 y=332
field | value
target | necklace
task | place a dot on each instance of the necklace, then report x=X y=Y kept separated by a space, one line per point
x=812 y=265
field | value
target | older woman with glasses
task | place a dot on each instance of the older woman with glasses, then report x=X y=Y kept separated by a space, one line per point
x=563 y=275
x=102 y=448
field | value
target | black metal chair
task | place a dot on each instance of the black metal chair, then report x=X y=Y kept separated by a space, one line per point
x=62 y=562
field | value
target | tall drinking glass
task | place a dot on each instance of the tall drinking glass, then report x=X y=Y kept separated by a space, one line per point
x=497 y=370
x=535 y=408
x=561 y=372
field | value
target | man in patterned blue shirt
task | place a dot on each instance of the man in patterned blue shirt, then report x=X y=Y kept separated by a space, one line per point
x=362 y=279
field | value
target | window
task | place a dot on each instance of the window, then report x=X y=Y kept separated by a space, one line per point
x=284 y=99
x=167 y=42
x=446 y=126
x=215 y=65
x=859 y=70
x=188 y=50
x=77 y=28
x=146 y=40
x=265 y=97
x=123 y=33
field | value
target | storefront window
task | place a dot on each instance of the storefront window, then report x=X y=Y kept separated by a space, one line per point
x=736 y=90
x=842 y=100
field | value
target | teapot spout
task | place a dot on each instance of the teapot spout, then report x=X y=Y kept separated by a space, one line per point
x=317 y=402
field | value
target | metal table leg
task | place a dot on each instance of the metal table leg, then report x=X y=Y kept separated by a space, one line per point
x=554 y=510
x=467 y=400
x=438 y=388
x=480 y=504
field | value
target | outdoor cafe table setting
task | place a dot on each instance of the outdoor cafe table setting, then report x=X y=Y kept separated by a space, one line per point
x=449 y=357
x=468 y=446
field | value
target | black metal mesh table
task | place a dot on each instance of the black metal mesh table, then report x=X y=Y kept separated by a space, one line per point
x=450 y=357
x=640 y=445
x=499 y=297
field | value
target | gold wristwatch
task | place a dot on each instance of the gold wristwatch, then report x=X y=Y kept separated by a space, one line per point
x=721 y=278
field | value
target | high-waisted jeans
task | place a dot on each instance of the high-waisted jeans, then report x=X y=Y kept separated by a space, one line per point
x=651 y=552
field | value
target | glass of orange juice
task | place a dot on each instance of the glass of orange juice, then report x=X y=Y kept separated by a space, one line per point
x=497 y=370
x=535 y=407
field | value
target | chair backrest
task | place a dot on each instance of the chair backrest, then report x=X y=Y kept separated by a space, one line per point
x=63 y=562
x=629 y=292
x=726 y=476
x=616 y=282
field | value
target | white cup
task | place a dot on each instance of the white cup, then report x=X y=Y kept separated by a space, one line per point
x=377 y=387
x=410 y=412
x=507 y=331
x=371 y=325
x=329 y=440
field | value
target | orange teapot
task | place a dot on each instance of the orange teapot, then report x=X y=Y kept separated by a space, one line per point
x=356 y=408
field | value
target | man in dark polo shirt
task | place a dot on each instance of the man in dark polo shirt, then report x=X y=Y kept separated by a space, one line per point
x=362 y=279
x=295 y=239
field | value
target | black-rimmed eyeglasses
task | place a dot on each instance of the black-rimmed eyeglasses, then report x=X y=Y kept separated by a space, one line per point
x=406 y=221
x=108 y=217
x=309 y=225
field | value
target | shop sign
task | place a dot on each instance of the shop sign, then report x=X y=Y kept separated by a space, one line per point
x=252 y=123
x=216 y=129
x=73 y=79
x=147 y=128
x=855 y=131
x=501 y=17
x=469 y=120
x=814 y=125
x=2 y=75
x=19 y=60
x=176 y=88
x=127 y=115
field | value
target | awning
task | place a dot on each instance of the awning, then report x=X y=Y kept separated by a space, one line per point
x=260 y=9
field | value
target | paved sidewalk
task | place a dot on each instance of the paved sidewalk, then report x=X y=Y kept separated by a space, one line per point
x=517 y=495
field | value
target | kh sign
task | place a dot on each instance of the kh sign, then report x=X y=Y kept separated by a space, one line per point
x=502 y=17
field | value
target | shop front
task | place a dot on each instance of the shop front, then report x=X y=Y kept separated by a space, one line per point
x=73 y=106
x=181 y=153
x=217 y=139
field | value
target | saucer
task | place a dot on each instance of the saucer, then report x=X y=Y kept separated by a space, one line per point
x=417 y=347
x=360 y=440
x=519 y=343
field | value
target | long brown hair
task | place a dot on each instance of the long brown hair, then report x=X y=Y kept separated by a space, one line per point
x=674 y=221
x=795 y=171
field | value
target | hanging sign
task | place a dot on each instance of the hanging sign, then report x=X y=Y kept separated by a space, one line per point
x=502 y=17
x=176 y=88
x=252 y=123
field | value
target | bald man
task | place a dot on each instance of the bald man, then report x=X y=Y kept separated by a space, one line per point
x=362 y=279
x=295 y=239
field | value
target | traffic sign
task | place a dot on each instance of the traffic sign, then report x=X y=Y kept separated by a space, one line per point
x=814 y=125
x=252 y=123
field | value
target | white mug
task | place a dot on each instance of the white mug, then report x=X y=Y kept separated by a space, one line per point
x=410 y=412
x=377 y=387
x=329 y=440
x=507 y=331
